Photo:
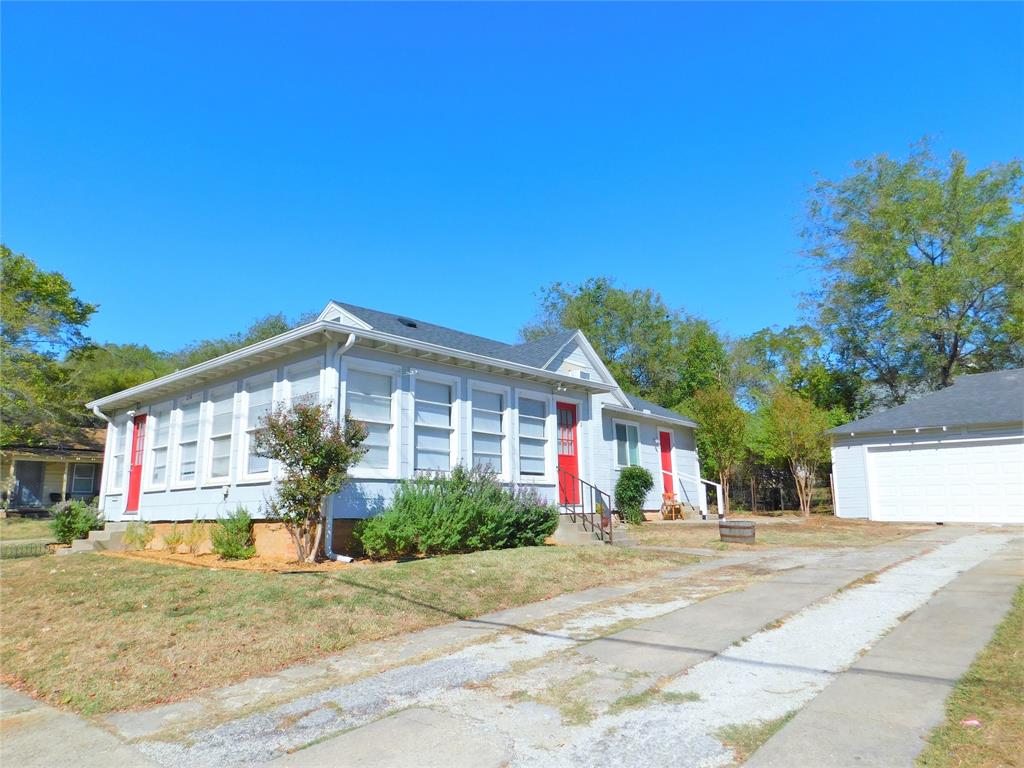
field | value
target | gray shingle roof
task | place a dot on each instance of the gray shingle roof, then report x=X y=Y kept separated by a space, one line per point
x=640 y=404
x=534 y=353
x=980 y=398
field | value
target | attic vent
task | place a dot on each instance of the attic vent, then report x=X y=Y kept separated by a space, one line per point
x=407 y=322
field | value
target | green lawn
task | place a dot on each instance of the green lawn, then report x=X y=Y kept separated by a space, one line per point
x=17 y=528
x=97 y=633
x=991 y=692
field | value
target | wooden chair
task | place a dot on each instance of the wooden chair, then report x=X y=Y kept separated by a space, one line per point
x=671 y=509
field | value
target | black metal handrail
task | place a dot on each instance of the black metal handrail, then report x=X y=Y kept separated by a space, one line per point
x=596 y=516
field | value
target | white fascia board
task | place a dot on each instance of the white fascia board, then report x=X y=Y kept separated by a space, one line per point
x=652 y=416
x=326 y=326
x=839 y=432
x=333 y=311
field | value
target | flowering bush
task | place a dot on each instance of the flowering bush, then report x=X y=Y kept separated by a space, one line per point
x=316 y=454
x=465 y=511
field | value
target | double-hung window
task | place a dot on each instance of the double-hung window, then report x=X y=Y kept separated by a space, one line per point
x=119 y=434
x=368 y=396
x=222 y=411
x=159 y=426
x=488 y=427
x=259 y=402
x=433 y=426
x=188 y=442
x=533 y=440
x=304 y=383
x=627 y=444
x=83 y=479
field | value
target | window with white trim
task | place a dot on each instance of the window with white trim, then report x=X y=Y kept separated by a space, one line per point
x=368 y=396
x=188 y=441
x=158 y=424
x=222 y=412
x=119 y=434
x=259 y=403
x=627 y=444
x=433 y=429
x=304 y=382
x=83 y=479
x=533 y=436
x=488 y=427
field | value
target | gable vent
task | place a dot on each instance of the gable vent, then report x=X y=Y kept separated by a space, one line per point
x=407 y=322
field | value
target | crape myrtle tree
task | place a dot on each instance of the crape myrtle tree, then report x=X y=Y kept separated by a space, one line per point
x=316 y=455
x=721 y=437
x=789 y=428
x=922 y=265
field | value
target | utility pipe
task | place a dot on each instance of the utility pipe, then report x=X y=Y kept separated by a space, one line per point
x=339 y=350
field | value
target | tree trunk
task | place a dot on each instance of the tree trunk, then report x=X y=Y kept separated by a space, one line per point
x=723 y=478
x=315 y=550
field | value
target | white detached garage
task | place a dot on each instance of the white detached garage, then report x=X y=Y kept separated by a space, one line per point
x=956 y=455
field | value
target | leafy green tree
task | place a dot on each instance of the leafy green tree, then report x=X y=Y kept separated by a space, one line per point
x=789 y=428
x=720 y=438
x=699 y=359
x=260 y=330
x=40 y=320
x=103 y=370
x=923 y=269
x=316 y=454
x=793 y=357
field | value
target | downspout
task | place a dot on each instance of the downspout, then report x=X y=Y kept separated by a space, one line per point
x=100 y=414
x=339 y=350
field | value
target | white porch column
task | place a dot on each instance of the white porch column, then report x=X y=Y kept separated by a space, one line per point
x=64 y=482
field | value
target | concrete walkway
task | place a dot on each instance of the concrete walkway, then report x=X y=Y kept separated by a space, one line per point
x=644 y=673
x=34 y=735
x=891 y=699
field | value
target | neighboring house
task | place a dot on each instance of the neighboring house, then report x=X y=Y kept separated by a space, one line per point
x=956 y=455
x=542 y=413
x=35 y=477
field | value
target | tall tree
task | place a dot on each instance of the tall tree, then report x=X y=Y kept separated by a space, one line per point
x=923 y=269
x=108 y=368
x=721 y=437
x=40 y=321
x=793 y=357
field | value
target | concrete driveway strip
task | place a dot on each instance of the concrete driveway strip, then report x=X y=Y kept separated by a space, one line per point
x=34 y=735
x=878 y=713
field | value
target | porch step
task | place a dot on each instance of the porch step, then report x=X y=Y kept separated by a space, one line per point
x=571 y=533
x=109 y=539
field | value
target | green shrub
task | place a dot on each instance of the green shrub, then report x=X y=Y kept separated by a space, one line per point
x=631 y=491
x=232 y=536
x=195 y=536
x=73 y=520
x=174 y=538
x=138 y=535
x=465 y=511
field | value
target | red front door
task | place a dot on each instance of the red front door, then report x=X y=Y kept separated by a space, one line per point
x=135 y=467
x=568 y=455
x=666 y=461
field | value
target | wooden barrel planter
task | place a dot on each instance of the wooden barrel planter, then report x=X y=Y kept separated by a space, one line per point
x=736 y=531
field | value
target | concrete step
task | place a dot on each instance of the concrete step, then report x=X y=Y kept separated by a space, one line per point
x=109 y=539
x=572 y=533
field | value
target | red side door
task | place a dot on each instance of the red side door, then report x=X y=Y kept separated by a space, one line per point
x=568 y=454
x=135 y=467
x=665 y=438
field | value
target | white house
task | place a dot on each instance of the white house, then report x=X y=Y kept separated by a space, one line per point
x=545 y=413
x=956 y=455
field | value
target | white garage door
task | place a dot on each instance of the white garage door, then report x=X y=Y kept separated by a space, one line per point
x=956 y=482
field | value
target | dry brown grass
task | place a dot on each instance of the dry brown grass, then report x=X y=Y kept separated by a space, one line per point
x=817 y=531
x=19 y=528
x=991 y=692
x=101 y=633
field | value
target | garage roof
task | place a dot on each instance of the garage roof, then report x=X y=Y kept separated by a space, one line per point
x=981 y=398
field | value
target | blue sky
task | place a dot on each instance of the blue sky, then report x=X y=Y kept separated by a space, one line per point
x=193 y=166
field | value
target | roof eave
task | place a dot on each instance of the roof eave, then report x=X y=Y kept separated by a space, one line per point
x=845 y=431
x=286 y=342
x=651 y=415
